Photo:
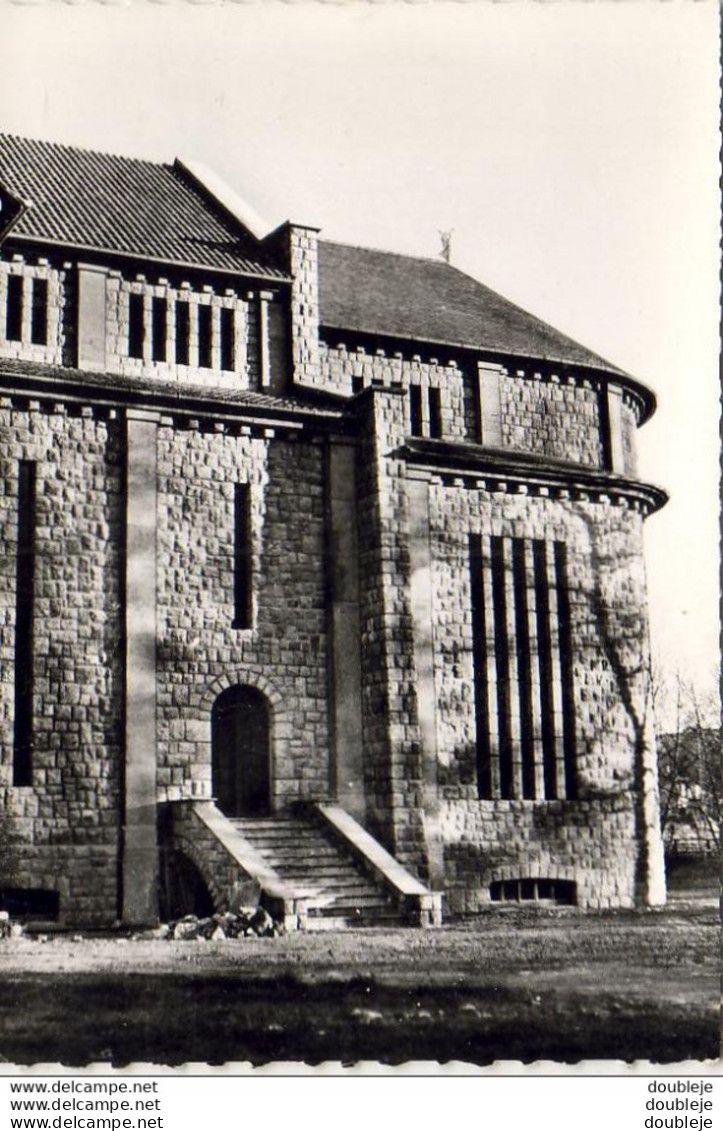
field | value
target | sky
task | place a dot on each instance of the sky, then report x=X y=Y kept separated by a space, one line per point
x=571 y=148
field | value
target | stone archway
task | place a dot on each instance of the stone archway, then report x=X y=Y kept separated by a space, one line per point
x=280 y=720
x=241 y=752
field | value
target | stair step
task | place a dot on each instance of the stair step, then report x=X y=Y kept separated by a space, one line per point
x=348 y=886
x=328 y=880
x=302 y=856
x=262 y=825
x=361 y=902
x=331 y=923
x=292 y=853
x=330 y=870
x=313 y=837
x=251 y=828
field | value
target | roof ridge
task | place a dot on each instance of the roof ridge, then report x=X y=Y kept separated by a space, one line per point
x=68 y=148
x=538 y=318
x=386 y=251
x=125 y=205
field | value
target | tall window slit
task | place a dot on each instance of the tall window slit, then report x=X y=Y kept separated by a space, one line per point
x=523 y=668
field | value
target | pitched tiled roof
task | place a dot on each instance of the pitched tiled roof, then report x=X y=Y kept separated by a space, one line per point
x=121 y=204
x=401 y=296
x=38 y=377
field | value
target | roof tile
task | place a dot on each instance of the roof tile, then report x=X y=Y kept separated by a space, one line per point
x=126 y=205
x=379 y=292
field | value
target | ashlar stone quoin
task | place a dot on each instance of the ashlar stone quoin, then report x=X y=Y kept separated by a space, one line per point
x=322 y=572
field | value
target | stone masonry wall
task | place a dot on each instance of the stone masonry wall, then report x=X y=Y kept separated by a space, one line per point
x=629 y=429
x=303 y=255
x=199 y=653
x=592 y=840
x=52 y=352
x=393 y=768
x=246 y=371
x=66 y=824
x=541 y=412
x=558 y=417
x=350 y=371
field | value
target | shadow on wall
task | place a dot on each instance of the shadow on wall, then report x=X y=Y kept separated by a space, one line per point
x=182 y=889
x=622 y=631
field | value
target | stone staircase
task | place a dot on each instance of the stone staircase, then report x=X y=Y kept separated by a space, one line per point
x=305 y=857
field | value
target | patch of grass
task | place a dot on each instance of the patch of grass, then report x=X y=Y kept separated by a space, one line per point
x=506 y=987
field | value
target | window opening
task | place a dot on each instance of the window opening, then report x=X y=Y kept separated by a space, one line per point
x=160 y=328
x=205 y=337
x=567 y=683
x=228 y=338
x=479 y=638
x=533 y=891
x=39 y=313
x=243 y=605
x=435 y=413
x=502 y=657
x=24 y=618
x=523 y=668
x=183 y=332
x=415 y=410
x=41 y=904
x=14 y=309
x=136 y=325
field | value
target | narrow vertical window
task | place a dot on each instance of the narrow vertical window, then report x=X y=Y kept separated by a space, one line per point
x=14 y=309
x=205 y=336
x=523 y=669
x=435 y=413
x=544 y=645
x=160 y=328
x=39 y=313
x=481 y=688
x=568 y=700
x=502 y=655
x=228 y=338
x=243 y=573
x=415 y=410
x=136 y=327
x=183 y=332
x=24 y=600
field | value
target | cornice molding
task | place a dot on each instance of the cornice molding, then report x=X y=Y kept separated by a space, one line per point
x=518 y=473
x=74 y=396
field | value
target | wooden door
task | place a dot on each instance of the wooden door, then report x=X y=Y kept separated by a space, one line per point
x=241 y=753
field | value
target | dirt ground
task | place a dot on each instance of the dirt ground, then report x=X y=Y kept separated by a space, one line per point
x=510 y=985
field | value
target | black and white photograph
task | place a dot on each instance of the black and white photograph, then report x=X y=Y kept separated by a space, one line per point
x=359 y=551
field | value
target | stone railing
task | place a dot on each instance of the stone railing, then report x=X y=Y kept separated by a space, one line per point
x=226 y=860
x=419 y=906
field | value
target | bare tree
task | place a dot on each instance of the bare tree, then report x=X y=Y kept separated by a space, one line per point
x=689 y=764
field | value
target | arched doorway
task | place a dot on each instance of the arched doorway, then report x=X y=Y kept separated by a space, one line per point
x=240 y=760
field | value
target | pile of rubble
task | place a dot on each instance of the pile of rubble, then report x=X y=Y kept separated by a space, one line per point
x=244 y=923
x=249 y=922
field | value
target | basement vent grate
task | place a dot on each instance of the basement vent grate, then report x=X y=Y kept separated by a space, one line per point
x=30 y=903
x=533 y=891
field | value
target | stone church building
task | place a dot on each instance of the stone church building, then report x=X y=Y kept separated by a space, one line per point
x=322 y=572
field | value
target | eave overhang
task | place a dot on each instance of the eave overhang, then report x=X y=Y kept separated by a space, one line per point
x=193 y=405
x=111 y=256
x=504 y=470
x=599 y=374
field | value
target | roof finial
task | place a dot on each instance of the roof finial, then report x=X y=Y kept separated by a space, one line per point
x=446 y=248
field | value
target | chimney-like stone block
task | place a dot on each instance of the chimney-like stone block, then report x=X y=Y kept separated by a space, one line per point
x=91 y=318
x=490 y=404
